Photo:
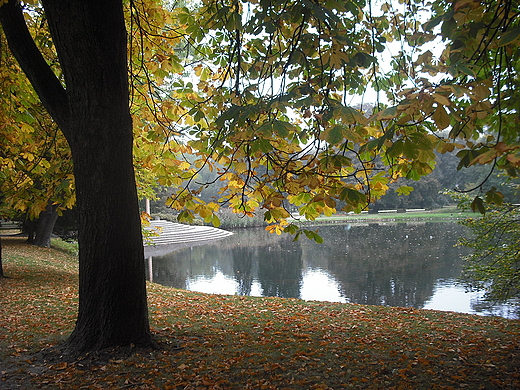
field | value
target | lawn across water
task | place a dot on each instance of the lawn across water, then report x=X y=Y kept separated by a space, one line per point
x=442 y=214
x=236 y=342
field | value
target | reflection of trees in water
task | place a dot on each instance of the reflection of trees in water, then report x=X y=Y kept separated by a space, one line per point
x=252 y=238
x=244 y=268
x=168 y=272
x=394 y=265
x=176 y=268
x=274 y=261
x=280 y=269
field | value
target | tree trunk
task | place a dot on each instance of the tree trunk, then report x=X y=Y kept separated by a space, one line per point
x=29 y=227
x=93 y=113
x=45 y=226
x=112 y=290
x=1 y=263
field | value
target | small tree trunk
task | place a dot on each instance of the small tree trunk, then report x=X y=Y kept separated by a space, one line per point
x=29 y=227
x=45 y=225
x=1 y=264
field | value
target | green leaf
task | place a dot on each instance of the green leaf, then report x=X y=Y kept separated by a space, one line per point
x=464 y=69
x=508 y=37
x=352 y=197
x=282 y=128
x=396 y=149
x=364 y=60
x=312 y=235
x=448 y=26
x=349 y=115
x=478 y=205
x=185 y=216
x=404 y=190
x=410 y=149
x=494 y=196
x=291 y=229
x=386 y=114
x=431 y=24
x=262 y=145
x=215 y=220
x=335 y=135
x=412 y=174
x=466 y=156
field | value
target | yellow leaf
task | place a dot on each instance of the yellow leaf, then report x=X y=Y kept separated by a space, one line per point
x=441 y=117
x=28 y=156
x=444 y=147
x=480 y=92
x=184 y=165
x=240 y=167
x=441 y=99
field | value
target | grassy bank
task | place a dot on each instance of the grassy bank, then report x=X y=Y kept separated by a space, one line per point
x=447 y=213
x=234 y=342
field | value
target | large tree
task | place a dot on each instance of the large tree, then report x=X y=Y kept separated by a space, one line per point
x=493 y=265
x=91 y=107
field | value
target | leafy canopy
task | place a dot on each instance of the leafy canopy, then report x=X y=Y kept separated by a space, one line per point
x=272 y=96
x=494 y=262
x=317 y=106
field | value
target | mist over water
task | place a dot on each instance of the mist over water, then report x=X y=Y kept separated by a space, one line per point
x=393 y=264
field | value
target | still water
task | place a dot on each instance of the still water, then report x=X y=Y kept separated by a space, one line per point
x=393 y=264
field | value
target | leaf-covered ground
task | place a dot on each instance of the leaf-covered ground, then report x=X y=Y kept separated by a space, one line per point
x=235 y=342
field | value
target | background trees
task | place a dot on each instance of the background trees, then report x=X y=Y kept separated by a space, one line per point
x=493 y=265
x=35 y=162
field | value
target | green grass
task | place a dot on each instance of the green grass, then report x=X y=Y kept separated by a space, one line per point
x=71 y=248
x=236 y=342
x=432 y=215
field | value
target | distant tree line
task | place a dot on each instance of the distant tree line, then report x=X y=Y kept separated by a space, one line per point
x=427 y=193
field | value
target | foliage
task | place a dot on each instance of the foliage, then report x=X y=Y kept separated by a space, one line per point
x=272 y=97
x=265 y=99
x=432 y=191
x=35 y=161
x=235 y=342
x=262 y=93
x=494 y=264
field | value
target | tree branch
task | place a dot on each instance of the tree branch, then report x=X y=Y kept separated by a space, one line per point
x=44 y=81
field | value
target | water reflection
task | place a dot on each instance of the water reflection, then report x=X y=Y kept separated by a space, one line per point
x=410 y=265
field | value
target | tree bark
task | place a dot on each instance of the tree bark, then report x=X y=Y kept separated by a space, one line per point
x=93 y=113
x=1 y=263
x=29 y=227
x=45 y=225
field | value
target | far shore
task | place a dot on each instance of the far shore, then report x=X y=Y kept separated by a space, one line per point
x=446 y=213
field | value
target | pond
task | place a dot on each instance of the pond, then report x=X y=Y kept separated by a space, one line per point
x=394 y=264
